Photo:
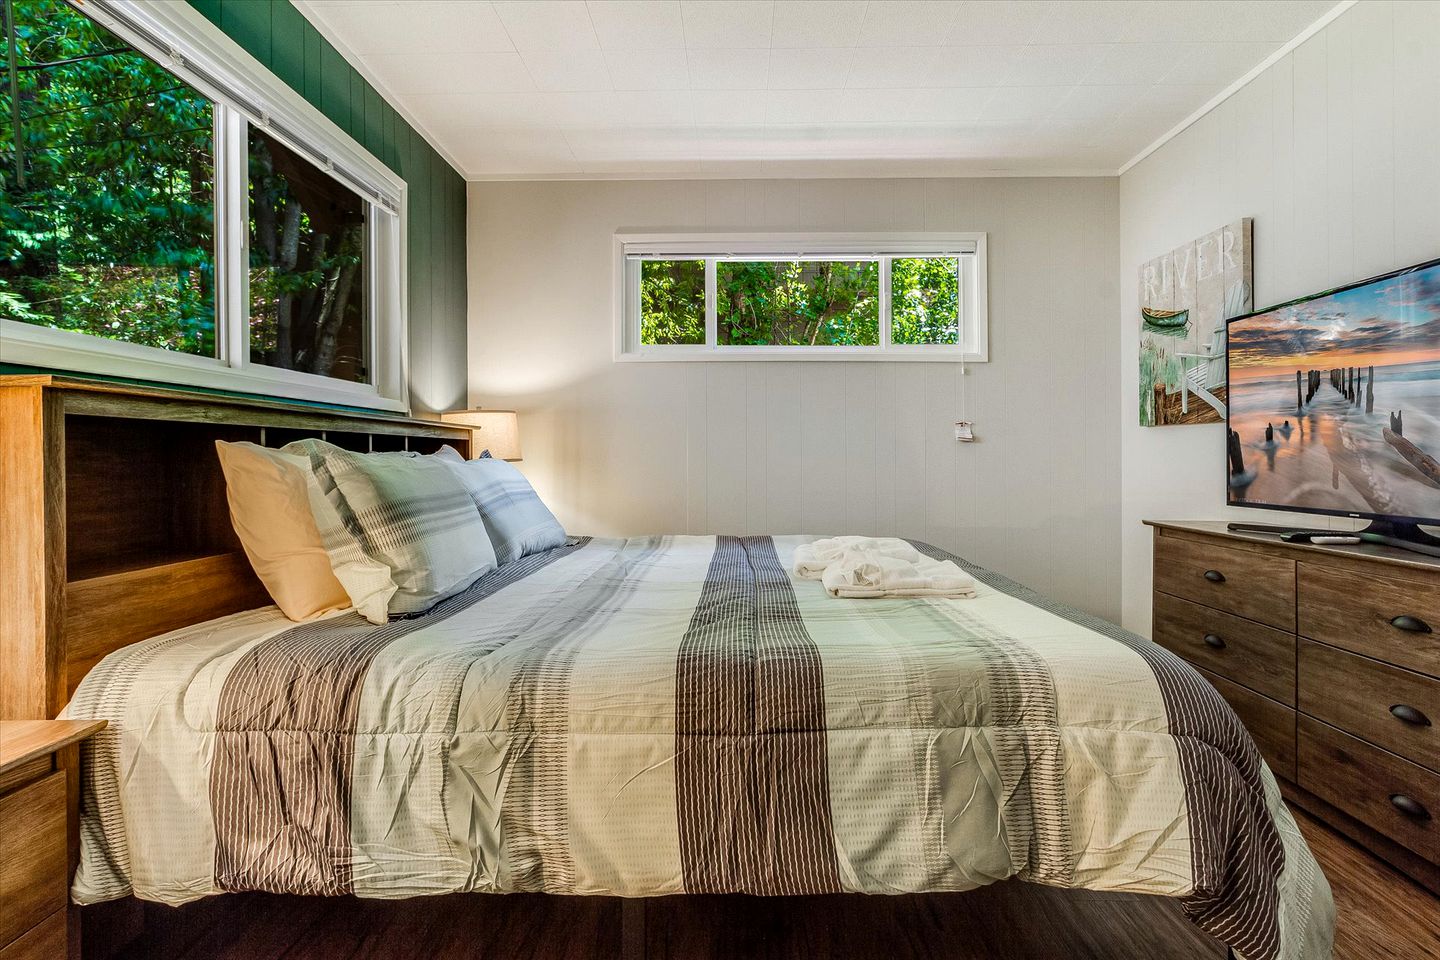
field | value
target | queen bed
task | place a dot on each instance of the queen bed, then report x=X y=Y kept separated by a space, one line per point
x=670 y=715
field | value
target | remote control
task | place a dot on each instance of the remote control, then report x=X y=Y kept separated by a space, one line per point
x=1335 y=539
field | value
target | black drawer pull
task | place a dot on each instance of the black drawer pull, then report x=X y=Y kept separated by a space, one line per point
x=1403 y=711
x=1215 y=576
x=1410 y=624
x=1409 y=806
x=1215 y=640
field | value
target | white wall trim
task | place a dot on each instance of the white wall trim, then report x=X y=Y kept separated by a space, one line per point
x=308 y=11
x=1330 y=16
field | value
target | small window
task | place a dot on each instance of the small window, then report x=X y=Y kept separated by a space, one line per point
x=912 y=297
x=107 y=216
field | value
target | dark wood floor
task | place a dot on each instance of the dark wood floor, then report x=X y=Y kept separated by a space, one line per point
x=1382 y=915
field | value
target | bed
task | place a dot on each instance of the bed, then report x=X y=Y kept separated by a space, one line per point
x=632 y=717
x=670 y=715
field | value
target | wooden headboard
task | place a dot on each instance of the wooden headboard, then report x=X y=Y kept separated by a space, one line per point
x=113 y=521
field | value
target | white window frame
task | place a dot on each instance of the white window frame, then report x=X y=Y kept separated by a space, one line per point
x=631 y=248
x=245 y=92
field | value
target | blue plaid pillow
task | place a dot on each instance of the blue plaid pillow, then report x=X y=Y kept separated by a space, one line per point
x=518 y=522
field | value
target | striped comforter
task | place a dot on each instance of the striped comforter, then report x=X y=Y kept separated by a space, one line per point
x=680 y=715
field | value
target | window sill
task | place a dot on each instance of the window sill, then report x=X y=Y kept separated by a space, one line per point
x=800 y=355
x=24 y=344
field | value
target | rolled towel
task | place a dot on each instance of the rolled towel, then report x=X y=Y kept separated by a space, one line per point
x=811 y=559
x=866 y=574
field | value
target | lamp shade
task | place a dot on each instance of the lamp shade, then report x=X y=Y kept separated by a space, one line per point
x=495 y=430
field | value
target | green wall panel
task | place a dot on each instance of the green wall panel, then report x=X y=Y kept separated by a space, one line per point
x=277 y=35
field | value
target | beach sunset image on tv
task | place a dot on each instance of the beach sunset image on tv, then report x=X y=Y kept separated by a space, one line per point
x=1335 y=400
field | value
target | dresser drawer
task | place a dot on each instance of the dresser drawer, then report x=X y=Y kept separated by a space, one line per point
x=47 y=940
x=1259 y=657
x=1243 y=582
x=33 y=857
x=1367 y=614
x=1362 y=780
x=1271 y=725
x=1392 y=708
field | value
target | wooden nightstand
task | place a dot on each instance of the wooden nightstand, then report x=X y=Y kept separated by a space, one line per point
x=39 y=835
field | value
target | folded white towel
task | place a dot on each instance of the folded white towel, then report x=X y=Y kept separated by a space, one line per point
x=811 y=559
x=867 y=574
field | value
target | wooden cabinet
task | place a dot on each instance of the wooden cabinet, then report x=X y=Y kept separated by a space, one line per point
x=39 y=840
x=1330 y=656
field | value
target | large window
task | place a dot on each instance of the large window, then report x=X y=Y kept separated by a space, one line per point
x=166 y=214
x=107 y=221
x=911 y=297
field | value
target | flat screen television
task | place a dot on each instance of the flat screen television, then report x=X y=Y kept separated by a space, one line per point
x=1334 y=405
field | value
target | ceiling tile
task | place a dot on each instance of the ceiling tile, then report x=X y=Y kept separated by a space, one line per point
x=423 y=26
x=648 y=69
x=1217 y=64
x=547 y=24
x=809 y=69
x=908 y=23
x=443 y=113
x=1125 y=63
x=893 y=67
x=1092 y=21
x=1023 y=103
x=721 y=108
x=729 y=69
x=998 y=21
x=981 y=66
x=637 y=24
x=1088 y=104
x=452 y=73
x=727 y=24
x=816 y=23
x=1050 y=65
x=567 y=69
x=1180 y=20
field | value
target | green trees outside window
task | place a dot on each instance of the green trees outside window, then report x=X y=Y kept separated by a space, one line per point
x=924 y=300
x=107 y=212
x=307 y=280
x=672 y=302
x=815 y=303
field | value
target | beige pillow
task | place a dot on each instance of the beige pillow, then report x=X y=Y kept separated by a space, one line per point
x=270 y=509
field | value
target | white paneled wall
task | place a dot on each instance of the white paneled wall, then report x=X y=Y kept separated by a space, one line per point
x=1335 y=151
x=630 y=448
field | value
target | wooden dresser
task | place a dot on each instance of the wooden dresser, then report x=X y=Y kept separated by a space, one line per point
x=39 y=836
x=1330 y=655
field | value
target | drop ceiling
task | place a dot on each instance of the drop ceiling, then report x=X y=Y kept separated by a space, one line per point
x=542 y=89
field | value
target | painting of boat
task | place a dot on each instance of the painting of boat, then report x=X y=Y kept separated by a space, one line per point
x=1185 y=298
x=1166 y=323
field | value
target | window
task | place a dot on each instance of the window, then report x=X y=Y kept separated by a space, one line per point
x=108 y=220
x=853 y=297
x=170 y=213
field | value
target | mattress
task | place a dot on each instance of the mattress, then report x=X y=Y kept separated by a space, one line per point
x=665 y=715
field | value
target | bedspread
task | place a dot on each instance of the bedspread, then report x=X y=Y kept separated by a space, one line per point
x=669 y=715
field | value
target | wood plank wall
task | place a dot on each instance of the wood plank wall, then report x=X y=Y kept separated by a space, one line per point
x=277 y=35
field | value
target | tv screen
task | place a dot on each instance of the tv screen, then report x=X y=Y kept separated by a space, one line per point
x=1334 y=401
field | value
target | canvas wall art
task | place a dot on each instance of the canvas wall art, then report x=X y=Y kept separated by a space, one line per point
x=1185 y=298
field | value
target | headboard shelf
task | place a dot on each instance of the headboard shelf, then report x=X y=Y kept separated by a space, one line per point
x=114 y=525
